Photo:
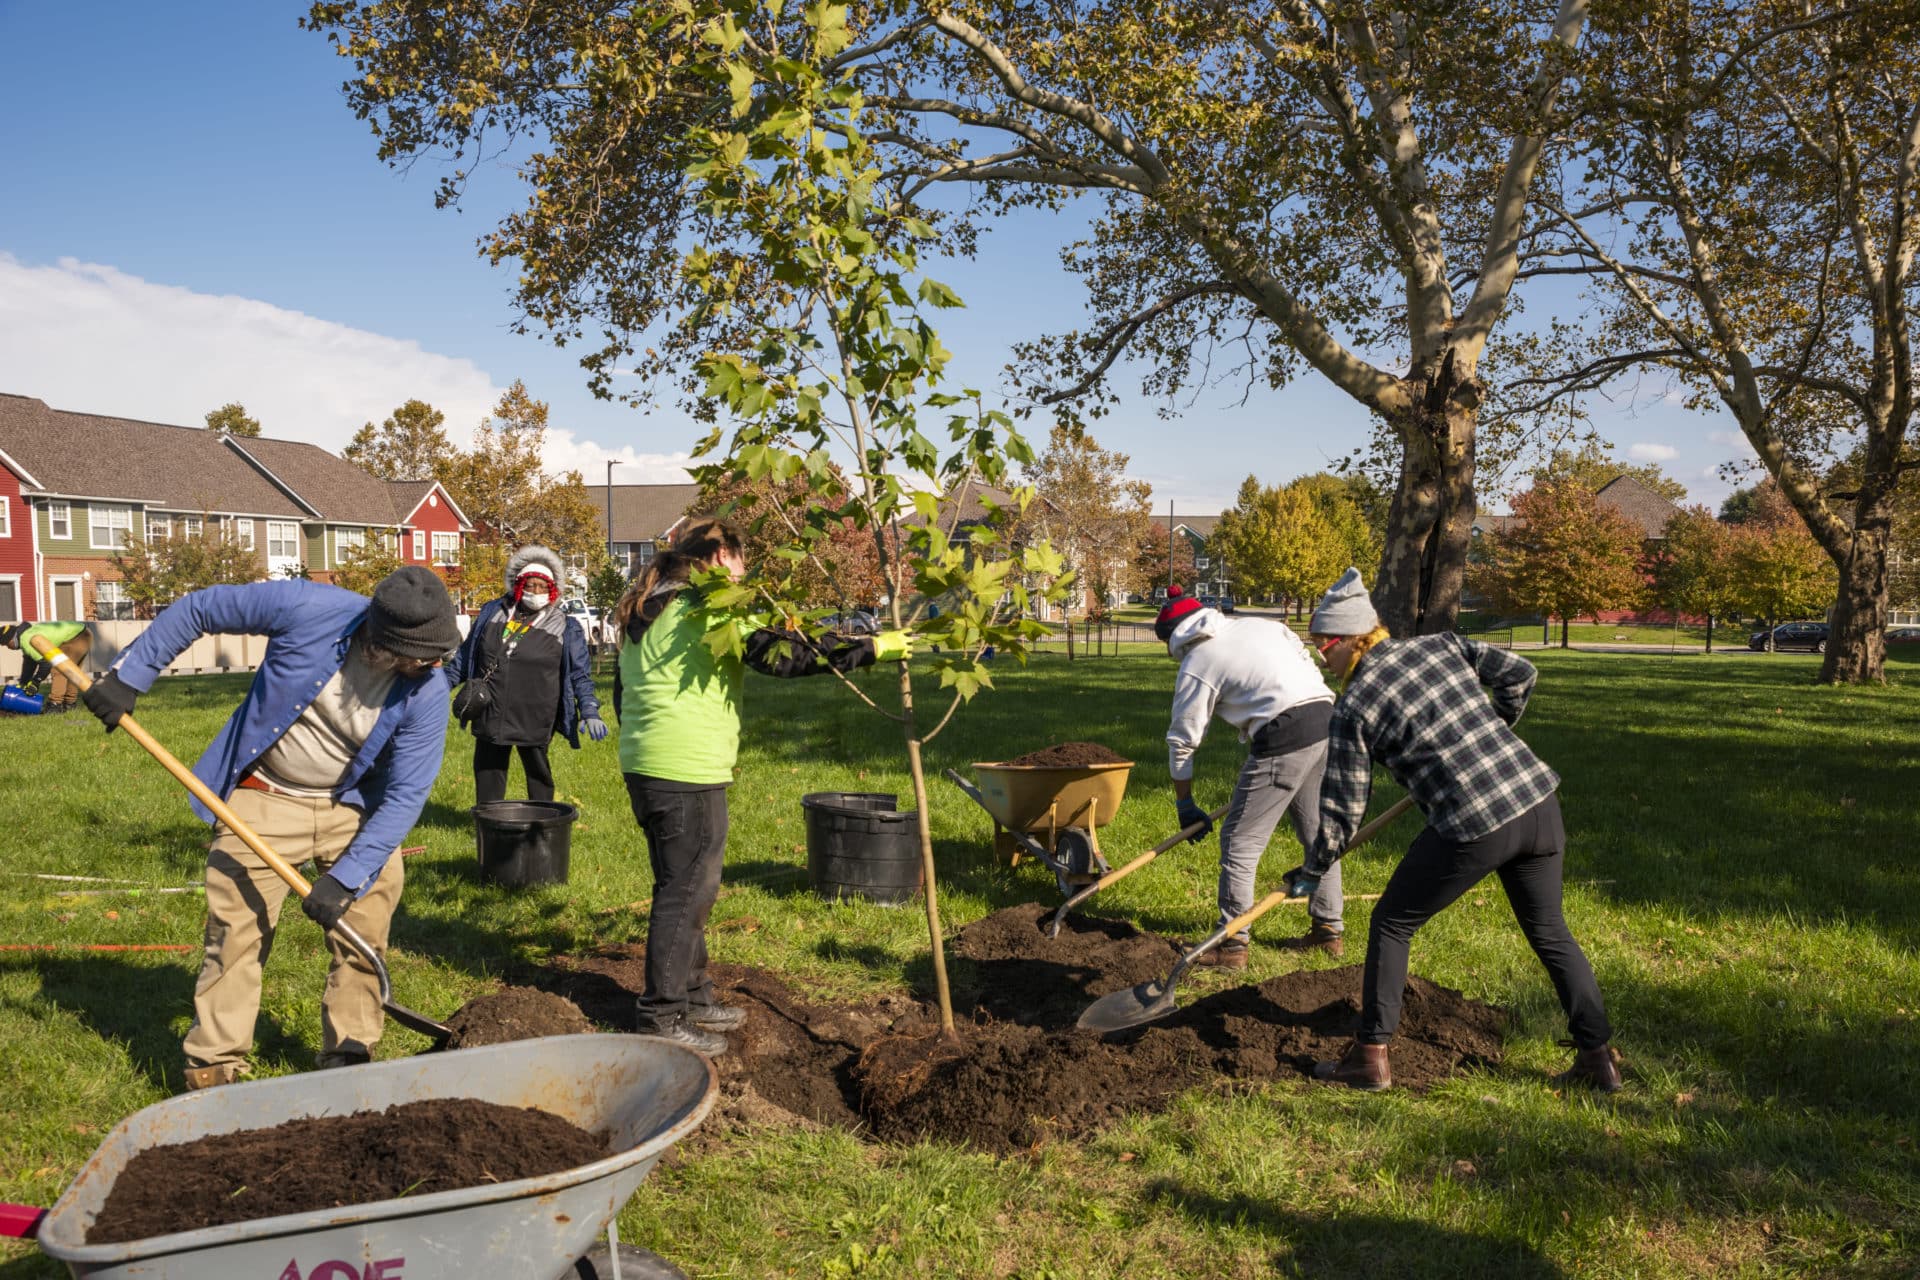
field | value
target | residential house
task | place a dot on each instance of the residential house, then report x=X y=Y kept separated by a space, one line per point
x=1213 y=576
x=75 y=487
x=642 y=517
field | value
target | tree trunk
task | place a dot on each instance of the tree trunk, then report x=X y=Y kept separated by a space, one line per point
x=1857 y=639
x=1563 y=631
x=928 y=879
x=1430 y=522
x=1709 y=633
x=1069 y=621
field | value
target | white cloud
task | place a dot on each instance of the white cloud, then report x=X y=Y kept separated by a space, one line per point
x=1645 y=452
x=87 y=337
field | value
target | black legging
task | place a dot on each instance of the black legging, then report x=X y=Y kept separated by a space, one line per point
x=686 y=835
x=490 y=761
x=1526 y=854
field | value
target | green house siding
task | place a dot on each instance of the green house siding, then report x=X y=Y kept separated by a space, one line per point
x=78 y=544
x=316 y=546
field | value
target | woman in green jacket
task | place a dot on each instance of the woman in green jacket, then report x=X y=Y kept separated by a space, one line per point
x=679 y=708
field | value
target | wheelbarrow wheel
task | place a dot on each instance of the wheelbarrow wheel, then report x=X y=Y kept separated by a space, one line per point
x=635 y=1264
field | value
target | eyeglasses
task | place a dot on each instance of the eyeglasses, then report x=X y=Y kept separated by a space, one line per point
x=1324 y=647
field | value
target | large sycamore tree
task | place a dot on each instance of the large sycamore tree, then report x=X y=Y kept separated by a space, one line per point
x=1282 y=188
x=1750 y=201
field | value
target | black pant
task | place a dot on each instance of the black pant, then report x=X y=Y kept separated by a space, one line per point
x=1526 y=854
x=490 y=761
x=686 y=840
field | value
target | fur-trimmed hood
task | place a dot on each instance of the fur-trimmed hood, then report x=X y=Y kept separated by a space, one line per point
x=536 y=556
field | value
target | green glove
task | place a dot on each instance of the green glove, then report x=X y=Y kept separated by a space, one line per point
x=893 y=646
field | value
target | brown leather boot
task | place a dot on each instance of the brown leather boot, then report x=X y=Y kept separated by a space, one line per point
x=1363 y=1066
x=212 y=1077
x=1230 y=955
x=1597 y=1068
x=1321 y=937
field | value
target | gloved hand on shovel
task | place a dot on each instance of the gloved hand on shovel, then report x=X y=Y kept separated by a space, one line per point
x=328 y=902
x=110 y=698
x=1190 y=814
x=1300 y=882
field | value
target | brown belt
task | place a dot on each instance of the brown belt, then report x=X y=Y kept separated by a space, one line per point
x=250 y=782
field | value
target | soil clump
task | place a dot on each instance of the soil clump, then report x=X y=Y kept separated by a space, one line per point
x=515 y=1013
x=1067 y=755
x=1022 y=1073
x=413 y=1149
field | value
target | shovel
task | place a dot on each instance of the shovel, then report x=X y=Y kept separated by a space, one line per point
x=1136 y=1006
x=1122 y=872
x=398 y=1012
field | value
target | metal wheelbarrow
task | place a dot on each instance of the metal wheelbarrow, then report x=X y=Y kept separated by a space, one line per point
x=1067 y=804
x=647 y=1094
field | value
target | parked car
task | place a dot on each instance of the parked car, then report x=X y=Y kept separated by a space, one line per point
x=855 y=622
x=1903 y=635
x=1811 y=636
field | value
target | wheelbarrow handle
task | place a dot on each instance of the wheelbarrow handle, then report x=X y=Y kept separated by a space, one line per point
x=233 y=822
x=20 y=1221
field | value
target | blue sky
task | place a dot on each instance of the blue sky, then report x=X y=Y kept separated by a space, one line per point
x=192 y=216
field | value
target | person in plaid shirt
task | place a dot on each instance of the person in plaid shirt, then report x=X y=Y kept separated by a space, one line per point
x=1437 y=712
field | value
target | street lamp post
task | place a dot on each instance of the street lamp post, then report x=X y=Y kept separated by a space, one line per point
x=611 y=464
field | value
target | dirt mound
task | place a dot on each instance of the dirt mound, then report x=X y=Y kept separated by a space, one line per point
x=413 y=1149
x=516 y=1013
x=1068 y=755
x=1021 y=1072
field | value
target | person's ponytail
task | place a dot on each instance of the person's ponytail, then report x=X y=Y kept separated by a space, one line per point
x=699 y=546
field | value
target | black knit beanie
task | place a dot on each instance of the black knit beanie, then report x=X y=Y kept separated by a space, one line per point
x=412 y=614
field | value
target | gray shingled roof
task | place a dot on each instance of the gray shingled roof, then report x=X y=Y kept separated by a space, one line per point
x=87 y=455
x=643 y=512
x=1202 y=525
x=1639 y=504
x=335 y=488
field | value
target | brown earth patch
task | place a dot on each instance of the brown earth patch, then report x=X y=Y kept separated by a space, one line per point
x=413 y=1149
x=515 y=1013
x=1019 y=1073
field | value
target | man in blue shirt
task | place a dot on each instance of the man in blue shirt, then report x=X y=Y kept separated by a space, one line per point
x=330 y=757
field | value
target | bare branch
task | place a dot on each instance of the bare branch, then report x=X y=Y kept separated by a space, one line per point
x=1121 y=332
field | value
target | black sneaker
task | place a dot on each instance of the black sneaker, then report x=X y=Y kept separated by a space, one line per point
x=681 y=1031
x=716 y=1017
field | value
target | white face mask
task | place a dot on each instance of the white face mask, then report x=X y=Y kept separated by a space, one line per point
x=535 y=599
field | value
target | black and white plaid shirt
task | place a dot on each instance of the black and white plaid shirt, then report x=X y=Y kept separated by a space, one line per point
x=1436 y=712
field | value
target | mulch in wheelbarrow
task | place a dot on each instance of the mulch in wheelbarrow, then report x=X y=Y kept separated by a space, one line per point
x=1020 y=1073
x=413 y=1149
x=1070 y=755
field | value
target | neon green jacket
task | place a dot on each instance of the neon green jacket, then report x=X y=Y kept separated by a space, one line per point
x=55 y=633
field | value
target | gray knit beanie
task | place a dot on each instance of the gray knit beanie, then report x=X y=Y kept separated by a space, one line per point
x=412 y=614
x=1346 y=609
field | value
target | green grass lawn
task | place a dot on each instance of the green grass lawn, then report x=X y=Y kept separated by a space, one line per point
x=1742 y=858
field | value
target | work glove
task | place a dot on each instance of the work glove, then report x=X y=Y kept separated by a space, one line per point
x=1300 y=882
x=596 y=728
x=328 y=902
x=110 y=698
x=893 y=646
x=1191 y=813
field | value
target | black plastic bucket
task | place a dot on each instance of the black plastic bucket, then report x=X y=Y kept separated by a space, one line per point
x=859 y=846
x=524 y=841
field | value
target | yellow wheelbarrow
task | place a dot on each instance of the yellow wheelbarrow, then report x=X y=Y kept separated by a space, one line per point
x=1052 y=813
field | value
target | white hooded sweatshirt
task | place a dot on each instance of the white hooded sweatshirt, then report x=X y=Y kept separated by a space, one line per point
x=1244 y=670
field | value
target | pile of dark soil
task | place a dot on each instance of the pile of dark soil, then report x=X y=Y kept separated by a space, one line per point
x=516 y=1013
x=413 y=1149
x=1067 y=755
x=1021 y=1072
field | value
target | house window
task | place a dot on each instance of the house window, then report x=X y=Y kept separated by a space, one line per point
x=419 y=544
x=108 y=527
x=190 y=527
x=390 y=542
x=10 y=600
x=159 y=528
x=110 y=603
x=348 y=542
x=6 y=517
x=241 y=531
x=283 y=540
x=1202 y=562
x=446 y=548
x=59 y=520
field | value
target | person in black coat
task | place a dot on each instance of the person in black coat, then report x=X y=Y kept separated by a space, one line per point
x=524 y=675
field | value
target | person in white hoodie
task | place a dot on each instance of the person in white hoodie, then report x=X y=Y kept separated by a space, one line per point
x=1257 y=676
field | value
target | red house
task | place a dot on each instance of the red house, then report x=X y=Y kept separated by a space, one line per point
x=430 y=525
x=19 y=598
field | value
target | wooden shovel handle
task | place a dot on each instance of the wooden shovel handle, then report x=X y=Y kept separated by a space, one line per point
x=1279 y=896
x=201 y=791
x=1120 y=873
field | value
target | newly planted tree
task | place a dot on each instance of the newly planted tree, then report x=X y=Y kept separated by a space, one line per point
x=835 y=362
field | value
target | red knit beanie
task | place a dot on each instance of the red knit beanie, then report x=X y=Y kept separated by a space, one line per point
x=1179 y=605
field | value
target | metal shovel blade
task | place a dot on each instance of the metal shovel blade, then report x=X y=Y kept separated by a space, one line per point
x=1130 y=1007
x=406 y=1017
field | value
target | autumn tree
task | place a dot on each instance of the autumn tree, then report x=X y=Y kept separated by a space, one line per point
x=1565 y=554
x=1693 y=568
x=1779 y=571
x=1097 y=518
x=410 y=444
x=232 y=420
x=1592 y=464
x=156 y=571
x=841 y=570
x=362 y=568
x=1327 y=188
x=1168 y=556
x=1292 y=540
x=1750 y=199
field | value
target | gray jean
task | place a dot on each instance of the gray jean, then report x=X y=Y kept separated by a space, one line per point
x=1268 y=787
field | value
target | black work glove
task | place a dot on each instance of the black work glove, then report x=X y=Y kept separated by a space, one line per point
x=1191 y=813
x=1301 y=882
x=109 y=697
x=328 y=902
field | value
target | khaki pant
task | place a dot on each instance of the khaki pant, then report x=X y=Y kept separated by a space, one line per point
x=65 y=692
x=244 y=898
